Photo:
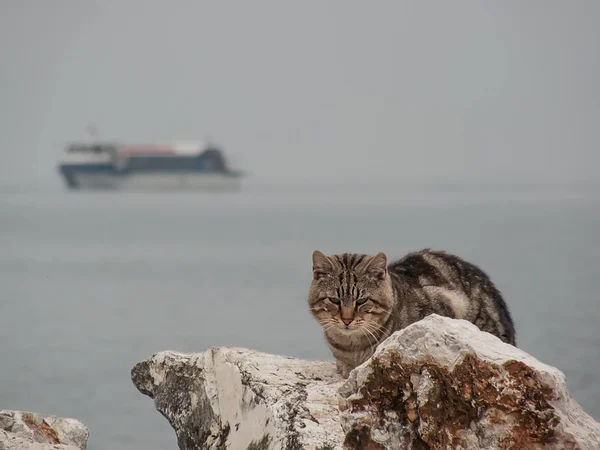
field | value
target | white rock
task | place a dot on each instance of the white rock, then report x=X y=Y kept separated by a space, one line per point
x=233 y=398
x=21 y=430
x=442 y=383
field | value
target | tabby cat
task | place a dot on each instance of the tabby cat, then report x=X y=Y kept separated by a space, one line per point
x=360 y=300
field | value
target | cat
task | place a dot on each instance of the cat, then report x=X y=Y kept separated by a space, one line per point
x=360 y=300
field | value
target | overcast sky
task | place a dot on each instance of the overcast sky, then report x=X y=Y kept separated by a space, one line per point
x=432 y=90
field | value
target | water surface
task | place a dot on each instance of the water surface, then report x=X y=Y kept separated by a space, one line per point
x=94 y=282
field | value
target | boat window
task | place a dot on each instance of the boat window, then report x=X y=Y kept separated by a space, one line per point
x=94 y=148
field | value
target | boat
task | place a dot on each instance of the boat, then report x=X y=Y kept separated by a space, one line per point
x=174 y=166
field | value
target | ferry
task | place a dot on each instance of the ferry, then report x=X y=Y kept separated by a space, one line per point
x=173 y=166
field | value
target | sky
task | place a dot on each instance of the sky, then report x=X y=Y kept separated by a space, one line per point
x=500 y=91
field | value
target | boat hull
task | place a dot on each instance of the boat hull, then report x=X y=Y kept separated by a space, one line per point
x=152 y=181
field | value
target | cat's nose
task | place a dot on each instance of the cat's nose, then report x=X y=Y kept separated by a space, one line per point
x=347 y=321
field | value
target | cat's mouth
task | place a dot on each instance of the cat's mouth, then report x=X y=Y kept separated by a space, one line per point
x=348 y=326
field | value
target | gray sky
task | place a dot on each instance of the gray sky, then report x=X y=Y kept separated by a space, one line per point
x=470 y=90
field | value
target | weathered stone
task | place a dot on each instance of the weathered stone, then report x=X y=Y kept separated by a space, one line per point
x=20 y=430
x=241 y=399
x=438 y=384
x=442 y=383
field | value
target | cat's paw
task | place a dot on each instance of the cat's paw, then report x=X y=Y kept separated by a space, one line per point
x=343 y=368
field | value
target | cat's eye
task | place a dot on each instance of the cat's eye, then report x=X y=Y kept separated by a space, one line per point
x=361 y=301
x=335 y=301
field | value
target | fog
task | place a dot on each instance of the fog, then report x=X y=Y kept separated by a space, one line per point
x=468 y=91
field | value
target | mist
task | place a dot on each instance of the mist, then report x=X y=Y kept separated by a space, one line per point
x=419 y=91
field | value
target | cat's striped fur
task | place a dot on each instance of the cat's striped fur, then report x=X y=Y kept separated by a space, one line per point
x=360 y=300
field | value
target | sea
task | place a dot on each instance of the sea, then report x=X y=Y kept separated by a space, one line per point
x=92 y=283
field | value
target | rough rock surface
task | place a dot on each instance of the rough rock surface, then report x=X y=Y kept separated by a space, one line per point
x=21 y=430
x=231 y=398
x=441 y=383
x=438 y=384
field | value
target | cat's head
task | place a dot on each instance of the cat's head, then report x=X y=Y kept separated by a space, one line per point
x=350 y=292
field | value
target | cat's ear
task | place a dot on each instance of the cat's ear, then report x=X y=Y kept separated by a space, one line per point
x=322 y=265
x=377 y=266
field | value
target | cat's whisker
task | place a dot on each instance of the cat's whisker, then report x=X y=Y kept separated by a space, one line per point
x=378 y=333
x=362 y=331
x=368 y=331
x=376 y=327
x=326 y=329
x=372 y=326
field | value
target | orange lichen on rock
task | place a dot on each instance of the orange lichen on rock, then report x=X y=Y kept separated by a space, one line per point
x=444 y=384
x=41 y=427
x=30 y=430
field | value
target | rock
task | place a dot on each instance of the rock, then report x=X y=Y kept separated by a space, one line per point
x=442 y=383
x=21 y=430
x=241 y=399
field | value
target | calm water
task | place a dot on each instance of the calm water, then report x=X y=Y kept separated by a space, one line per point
x=93 y=283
